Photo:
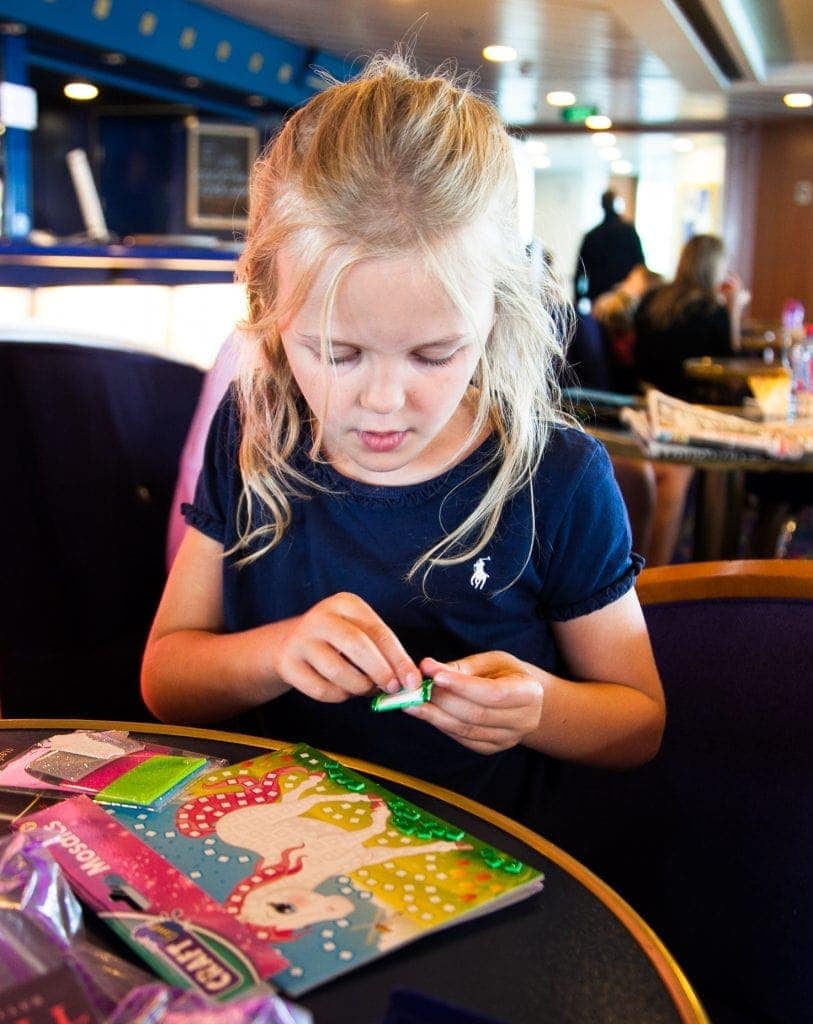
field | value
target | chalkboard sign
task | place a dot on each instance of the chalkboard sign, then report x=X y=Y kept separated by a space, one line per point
x=219 y=159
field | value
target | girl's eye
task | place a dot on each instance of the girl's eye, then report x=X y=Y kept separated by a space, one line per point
x=441 y=361
x=341 y=358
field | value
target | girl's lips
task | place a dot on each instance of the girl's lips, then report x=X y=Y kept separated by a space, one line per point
x=376 y=441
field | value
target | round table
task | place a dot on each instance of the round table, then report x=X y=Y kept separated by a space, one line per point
x=572 y=954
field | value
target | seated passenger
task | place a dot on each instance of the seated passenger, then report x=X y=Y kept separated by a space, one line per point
x=698 y=314
x=615 y=313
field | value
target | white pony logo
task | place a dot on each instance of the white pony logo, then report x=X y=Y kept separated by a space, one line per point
x=479 y=575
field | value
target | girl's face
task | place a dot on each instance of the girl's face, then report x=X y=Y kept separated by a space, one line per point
x=391 y=403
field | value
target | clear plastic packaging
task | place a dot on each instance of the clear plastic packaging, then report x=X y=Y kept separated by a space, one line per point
x=109 y=765
x=46 y=957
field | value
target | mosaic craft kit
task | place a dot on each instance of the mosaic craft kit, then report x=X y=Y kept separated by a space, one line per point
x=323 y=864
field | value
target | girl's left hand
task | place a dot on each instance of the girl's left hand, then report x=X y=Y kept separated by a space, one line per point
x=487 y=702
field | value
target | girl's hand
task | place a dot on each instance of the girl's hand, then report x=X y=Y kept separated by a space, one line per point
x=340 y=648
x=487 y=702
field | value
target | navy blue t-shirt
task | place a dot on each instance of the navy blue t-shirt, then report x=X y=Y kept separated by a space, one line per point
x=557 y=554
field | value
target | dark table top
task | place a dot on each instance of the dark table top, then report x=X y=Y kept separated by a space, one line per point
x=572 y=954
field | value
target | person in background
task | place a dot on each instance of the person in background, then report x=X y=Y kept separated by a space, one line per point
x=608 y=252
x=390 y=490
x=697 y=314
x=615 y=312
x=214 y=387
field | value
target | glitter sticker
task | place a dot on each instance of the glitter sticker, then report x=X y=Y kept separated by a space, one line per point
x=64 y=766
x=403 y=698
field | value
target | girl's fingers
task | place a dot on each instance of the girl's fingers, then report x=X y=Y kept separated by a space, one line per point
x=398 y=664
x=504 y=693
x=315 y=686
x=333 y=667
x=483 y=738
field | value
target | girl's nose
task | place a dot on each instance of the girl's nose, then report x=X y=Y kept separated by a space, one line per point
x=382 y=391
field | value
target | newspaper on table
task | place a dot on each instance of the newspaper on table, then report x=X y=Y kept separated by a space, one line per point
x=669 y=421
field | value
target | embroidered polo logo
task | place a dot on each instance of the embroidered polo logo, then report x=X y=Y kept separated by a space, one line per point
x=479 y=574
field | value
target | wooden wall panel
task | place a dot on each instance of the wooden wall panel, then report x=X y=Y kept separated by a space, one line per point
x=783 y=240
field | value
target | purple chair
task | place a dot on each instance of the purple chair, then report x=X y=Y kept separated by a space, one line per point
x=712 y=842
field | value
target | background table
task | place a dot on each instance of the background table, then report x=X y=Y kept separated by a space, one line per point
x=719 y=493
x=572 y=954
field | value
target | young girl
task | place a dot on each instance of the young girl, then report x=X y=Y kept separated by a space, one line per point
x=389 y=491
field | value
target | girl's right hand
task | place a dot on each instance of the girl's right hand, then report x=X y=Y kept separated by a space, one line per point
x=340 y=648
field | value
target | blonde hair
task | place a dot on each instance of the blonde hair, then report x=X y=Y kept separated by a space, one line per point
x=393 y=164
x=696 y=280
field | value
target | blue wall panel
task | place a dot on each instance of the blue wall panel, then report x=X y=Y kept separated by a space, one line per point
x=184 y=37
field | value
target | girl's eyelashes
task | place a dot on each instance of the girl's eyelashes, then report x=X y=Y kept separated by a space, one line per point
x=346 y=355
x=344 y=358
x=440 y=361
x=341 y=358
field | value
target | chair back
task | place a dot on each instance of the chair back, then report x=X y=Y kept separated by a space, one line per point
x=712 y=842
x=90 y=439
x=734 y=645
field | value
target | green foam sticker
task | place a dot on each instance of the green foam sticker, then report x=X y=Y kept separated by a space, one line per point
x=150 y=780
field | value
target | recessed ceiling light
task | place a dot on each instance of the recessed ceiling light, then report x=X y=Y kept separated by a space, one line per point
x=81 y=91
x=560 y=98
x=621 y=167
x=682 y=145
x=598 y=122
x=610 y=153
x=499 y=54
x=604 y=139
x=115 y=60
x=797 y=99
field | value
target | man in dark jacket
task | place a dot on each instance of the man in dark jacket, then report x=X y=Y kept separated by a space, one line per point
x=608 y=252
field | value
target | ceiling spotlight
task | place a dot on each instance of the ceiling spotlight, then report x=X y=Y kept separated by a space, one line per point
x=603 y=139
x=114 y=60
x=621 y=167
x=499 y=54
x=797 y=99
x=81 y=91
x=560 y=98
x=598 y=122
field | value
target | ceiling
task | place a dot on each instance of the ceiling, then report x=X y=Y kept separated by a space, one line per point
x=642 y=62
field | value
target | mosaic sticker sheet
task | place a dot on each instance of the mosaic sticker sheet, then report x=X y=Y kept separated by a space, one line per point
x=329 y=867
x=109 y=765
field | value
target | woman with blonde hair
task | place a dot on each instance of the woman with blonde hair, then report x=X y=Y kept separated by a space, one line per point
x=697 y=314
x=390 y=492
